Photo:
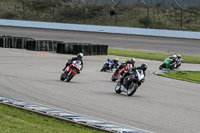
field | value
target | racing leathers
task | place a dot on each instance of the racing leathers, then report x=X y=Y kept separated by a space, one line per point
x=70 y=62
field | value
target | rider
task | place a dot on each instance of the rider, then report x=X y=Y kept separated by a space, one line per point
x=115 y=61
x=174 y=61
x=131 y=70
x=123 y=64
x=130 y=61
x=179 y=58
x=77 y=57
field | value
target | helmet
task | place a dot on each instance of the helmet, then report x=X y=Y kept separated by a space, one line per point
x=79 y=56
x=174 y=56
x=132 y=61
x=179 y=56
x=143 y=67
x=116 y=60
x=108 y=60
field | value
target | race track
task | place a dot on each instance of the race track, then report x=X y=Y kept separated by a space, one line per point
x=160 y=105
x=140 y=43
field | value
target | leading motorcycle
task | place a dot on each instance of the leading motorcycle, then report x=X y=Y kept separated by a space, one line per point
x=132 y=81
x=74 y=68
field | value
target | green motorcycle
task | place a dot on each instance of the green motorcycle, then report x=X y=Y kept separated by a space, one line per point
x=167 y=64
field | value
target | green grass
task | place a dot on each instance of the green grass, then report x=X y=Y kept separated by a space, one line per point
x=14 y=120
x=151 y=56
x=98 y=14
x=193 y=77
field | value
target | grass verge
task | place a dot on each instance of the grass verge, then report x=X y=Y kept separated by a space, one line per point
x=193 y=77
x=151 y=55
x=18 y=121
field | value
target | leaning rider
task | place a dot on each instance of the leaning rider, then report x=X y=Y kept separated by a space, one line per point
x=115 y=61
x=174 y=61
x=77 y=57
x=124 y=74
x=130 y=61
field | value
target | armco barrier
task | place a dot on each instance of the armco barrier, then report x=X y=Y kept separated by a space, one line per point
x=49 y=45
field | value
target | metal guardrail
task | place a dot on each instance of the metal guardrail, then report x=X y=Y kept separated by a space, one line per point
x=149 y=2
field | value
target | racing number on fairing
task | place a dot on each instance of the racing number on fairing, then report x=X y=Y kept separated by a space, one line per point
x=77 y=66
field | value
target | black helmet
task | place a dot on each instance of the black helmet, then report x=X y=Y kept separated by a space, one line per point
x=144 y=67
x=79 y=56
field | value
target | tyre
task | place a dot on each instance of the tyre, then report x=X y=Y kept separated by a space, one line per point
x=132 y=89
x=62 y=77
x=70 y=77
x=162 y=66
x=118 y=88
x=113 y=77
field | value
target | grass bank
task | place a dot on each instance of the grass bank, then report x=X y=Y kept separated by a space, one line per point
x=13 y=120
x=193 y=77
x=65 y=11
x=151 y=55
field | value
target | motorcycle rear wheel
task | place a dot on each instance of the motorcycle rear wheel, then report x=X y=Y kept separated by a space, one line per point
x=132 y=89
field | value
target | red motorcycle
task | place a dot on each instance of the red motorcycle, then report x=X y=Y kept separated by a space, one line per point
x=119 y=72
x=71 y=71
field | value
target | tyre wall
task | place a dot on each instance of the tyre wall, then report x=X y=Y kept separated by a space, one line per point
x=50 y=45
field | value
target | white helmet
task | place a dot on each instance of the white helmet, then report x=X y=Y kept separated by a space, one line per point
x=174 y=56
x=80 y=56
x=179 y=55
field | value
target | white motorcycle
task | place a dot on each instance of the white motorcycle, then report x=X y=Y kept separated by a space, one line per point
x=132 y=81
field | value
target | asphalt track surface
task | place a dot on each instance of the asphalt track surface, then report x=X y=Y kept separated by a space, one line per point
x=160 y=105
x=131 y=42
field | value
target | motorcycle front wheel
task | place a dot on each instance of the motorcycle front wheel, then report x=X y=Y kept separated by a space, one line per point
x=132 y=89
x=118 y=88
x=62 y=77
x=70 y=77
x=113 y=77
x=162 y=66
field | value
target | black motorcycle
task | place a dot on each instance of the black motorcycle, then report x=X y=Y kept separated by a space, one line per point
x=132 y=81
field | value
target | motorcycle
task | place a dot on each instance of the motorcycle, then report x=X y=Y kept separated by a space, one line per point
x=132 y=81
x=118 y=72
x=109 y=66
x=71 y=71
x=167 y=63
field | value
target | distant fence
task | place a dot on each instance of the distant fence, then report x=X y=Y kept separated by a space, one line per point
x=54 y=46
x=151 y=14
x=168 y=3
